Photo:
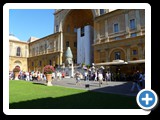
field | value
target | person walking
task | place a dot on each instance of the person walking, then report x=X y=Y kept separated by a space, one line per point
x=136 y=79
x=77 y=76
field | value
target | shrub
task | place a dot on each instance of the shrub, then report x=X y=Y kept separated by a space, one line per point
x=48 y=69
x=16 y=69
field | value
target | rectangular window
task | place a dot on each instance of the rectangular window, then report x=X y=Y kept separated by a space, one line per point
x=37 y=51
x=32 y=64
x=40 y=63
x=132 y=24
x=75 y=44
x=133 y=34
x=56 y=28
x=67 y=44
x=134 y=52
x=33 y=51
x=82 y=31
x=117 y=56
x=45 y=46
x=50 y=62
x=116 y=28
x=101 y=11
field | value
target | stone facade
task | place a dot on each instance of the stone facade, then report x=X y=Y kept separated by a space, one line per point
x=18 y=54
x=118 y=32
x=126 y=40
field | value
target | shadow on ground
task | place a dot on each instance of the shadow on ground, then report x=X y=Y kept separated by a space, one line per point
x=123 y=89
x=85 y=100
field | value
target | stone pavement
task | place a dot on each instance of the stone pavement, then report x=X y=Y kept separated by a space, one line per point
x=114 y=87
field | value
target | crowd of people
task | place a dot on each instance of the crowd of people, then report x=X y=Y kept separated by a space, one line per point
x=137 y=78
x=35 y=75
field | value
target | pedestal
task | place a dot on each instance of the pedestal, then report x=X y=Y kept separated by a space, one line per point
x=49 y=79
x=16 y=75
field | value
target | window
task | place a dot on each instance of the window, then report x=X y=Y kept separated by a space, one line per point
x=101 y=11
x=116 y=28
x=134 y=52
x=67 y=44
x=33 y=51
x=56 y=28
x=133 y=34
x=37 y=51
x=117 y=56
x=45 y=46
x=18 y=51
x=32 y=64
x=82 y=31
x=40 y=63
x=50 y=62
x=75 y=44
x=132 y=24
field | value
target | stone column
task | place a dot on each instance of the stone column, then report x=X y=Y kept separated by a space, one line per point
x=61 y=42
x=60 y=58
x=57 y=59
x=98 y=55
x=98 y=30
x=138 y=20
x=127 y=25
x=95 y=32
x=106 y=31
x=10 y=49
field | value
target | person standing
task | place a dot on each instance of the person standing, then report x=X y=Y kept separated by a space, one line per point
x=27 y=76
x=95 y=76
x=142 y=80
x=100 y=78
x=86 y=75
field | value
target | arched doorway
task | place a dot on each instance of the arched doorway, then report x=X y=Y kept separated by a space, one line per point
x=75 y=19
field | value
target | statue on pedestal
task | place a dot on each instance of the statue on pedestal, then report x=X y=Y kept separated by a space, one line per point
x=69 y=61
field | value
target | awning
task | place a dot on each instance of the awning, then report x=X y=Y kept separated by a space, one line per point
x=111 y=63
x=136 y=61
x=120 y=63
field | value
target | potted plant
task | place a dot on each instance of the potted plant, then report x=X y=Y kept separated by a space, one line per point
x=48 y=70
x=16 y=72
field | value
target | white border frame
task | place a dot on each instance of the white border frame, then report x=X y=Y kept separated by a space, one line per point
x=9 y=6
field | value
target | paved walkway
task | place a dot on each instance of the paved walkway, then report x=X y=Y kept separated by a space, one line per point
x=109 y=87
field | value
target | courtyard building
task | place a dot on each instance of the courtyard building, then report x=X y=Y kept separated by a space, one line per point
x=113 y=38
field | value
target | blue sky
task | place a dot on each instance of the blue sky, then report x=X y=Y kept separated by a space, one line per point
x=24 y=23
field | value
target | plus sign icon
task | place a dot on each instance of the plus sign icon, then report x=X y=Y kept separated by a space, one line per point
x=147 y=99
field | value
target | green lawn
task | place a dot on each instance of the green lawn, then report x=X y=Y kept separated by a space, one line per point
x=28 y=95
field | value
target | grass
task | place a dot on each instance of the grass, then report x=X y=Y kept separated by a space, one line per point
x=28 y=95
